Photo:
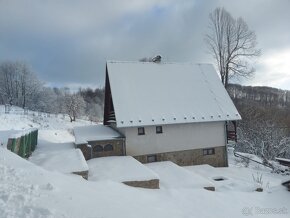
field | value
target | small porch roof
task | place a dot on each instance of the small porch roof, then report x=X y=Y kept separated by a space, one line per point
x=83 y=134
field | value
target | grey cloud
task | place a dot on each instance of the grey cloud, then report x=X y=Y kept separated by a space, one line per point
x=67 y=42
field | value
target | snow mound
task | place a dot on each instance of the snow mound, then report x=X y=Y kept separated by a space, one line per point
x=64 y=161
x=174 y=176
x=119 y=169
x=17 y=196
x=5 y=135
x=56 y=152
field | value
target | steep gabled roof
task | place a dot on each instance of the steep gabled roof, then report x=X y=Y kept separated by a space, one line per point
x=147 y=93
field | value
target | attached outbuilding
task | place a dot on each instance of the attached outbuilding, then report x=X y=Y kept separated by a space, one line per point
x=169 y=111
x=99 y=141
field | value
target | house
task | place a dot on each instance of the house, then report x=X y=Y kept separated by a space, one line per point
x=169 y=111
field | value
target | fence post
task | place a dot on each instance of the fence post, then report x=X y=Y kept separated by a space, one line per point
x=21 y=152
x=28 y=144
x=33 y=140
x=13 y=145
x=36 y=137
x=26 y=147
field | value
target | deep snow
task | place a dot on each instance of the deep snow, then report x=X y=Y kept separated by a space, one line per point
x=119 y=169
x=28 y=190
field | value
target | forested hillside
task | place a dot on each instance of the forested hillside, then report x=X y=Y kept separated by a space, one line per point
x=265 y=96
x=265 y=126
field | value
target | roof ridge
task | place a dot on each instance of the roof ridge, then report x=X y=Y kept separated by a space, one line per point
x=162 y=62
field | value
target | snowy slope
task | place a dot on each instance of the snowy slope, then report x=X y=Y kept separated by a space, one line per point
x=16 y=121
x=30 y=191
x=119 y=169
x=170 y=175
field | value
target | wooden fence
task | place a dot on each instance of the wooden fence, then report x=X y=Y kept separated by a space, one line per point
x=24 y=143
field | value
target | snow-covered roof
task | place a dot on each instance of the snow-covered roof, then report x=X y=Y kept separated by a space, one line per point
x=282 y=159
x=84 y=134
x=170 y=175
x=119 y=169
x=148 y=93
x=64 y=161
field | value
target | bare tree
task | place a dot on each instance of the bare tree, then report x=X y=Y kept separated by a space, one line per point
x=260 y=133
x=18 y=83
x=232 y=45
x=9 y=82
x=29 y=83
x=73 y=104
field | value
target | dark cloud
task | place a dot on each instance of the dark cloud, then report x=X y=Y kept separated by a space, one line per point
x=68 y=42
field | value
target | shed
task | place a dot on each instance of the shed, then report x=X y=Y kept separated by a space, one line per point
x=99 y=141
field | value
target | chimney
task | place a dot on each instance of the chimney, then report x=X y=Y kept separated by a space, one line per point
x=156 y=59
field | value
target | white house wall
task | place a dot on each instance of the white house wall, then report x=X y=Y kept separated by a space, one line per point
x=175 y=137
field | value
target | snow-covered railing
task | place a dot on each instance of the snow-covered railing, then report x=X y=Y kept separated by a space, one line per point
x=283 y=161
x=20 y=111
x=250 y=159
x=24 y=142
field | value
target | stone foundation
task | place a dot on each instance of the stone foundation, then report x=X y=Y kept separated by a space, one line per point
x=152 y=184
x=94 y=152
x=191 y=157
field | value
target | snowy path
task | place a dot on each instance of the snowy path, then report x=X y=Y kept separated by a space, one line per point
x=56 y=152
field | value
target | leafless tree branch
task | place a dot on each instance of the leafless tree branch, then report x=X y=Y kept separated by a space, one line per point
x=231 y=43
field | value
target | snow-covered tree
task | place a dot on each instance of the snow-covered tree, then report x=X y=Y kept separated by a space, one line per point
x=259 y=133
x=73 y=104
x=18 y=84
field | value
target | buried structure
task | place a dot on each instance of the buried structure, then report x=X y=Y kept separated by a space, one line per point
x=157 y=111
x=125 y=169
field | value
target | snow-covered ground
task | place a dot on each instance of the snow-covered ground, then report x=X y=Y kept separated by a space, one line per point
x=119 y=169
x=173 y=176
x=16 y=121
x=28 y=190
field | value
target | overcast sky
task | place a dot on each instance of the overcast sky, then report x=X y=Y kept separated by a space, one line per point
x=67 y=42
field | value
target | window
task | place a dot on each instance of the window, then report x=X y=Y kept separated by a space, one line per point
x=159 y=129
x=151 y=158
x=98 y=148
x=141 y=131
x=208 y=151
x=108 y=147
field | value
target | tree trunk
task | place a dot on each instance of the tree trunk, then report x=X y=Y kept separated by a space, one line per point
x=24 y=102
x=71 y=118
x=226 y=79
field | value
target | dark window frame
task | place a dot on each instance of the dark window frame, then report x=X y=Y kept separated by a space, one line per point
x=98 y=148
x=208 y=151
x=141 y=131
x=108 y=146
x=149 y=160
x=159 y=130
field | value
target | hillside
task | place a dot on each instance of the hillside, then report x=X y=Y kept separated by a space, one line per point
x=29 y=191
x=265 y=96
